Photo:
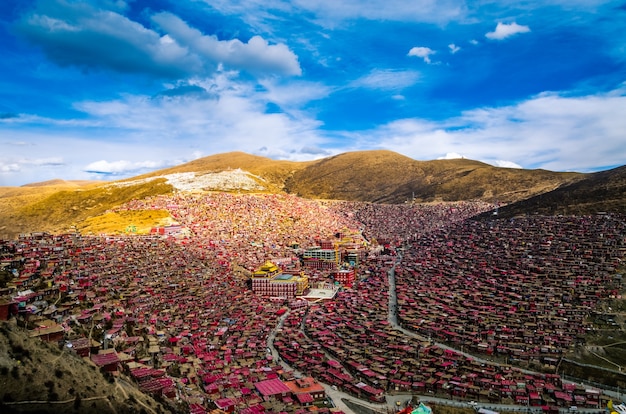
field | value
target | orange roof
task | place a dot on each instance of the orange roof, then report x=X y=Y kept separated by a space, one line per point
x=307 y=385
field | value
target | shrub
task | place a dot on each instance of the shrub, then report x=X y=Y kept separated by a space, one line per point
x=77 y=401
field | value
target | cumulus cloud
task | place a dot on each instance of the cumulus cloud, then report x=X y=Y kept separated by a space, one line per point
x=504 y=30
x=453 y=48
x=171 y=129
x=6 y=167
x=451 y=156
x=256 y=56
x=422 y=52
x=549 y=131
x=506 y=164
x=79 y=34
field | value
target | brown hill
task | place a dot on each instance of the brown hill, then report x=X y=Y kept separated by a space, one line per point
x=596 y=192
x=383 y=176
x=273 y=172
x=388 y=177
x=371 y=176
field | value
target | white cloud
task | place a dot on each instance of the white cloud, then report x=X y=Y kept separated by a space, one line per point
x=506 y=164
x=550 y=131
x=9 y=167
x=504 y=30
x=451 y=156
x=43 y=161
x=122 y=167
x=83 y=35
x=422 y=52
x=429 y=11
x=293 y=94
x=168 y=130
x=387 y=79
x=256 y=56
x=453 y=48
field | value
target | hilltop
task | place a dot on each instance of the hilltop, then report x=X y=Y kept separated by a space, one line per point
x=380 y=176
x=368 y=176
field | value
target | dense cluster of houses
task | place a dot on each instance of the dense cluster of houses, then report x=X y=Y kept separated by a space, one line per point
x=165 y=313
x=523 y=289
x=171 y=313
x=350 y=343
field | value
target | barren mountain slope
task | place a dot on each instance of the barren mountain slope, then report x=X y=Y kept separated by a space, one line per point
x=601 y=191
x=385 y=176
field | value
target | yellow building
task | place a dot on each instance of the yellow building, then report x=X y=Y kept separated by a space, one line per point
x=267 y=270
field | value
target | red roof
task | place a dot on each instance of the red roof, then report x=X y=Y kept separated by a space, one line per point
x=105 y=359
x=304 y=397
x=224 y=403
x=271 y=387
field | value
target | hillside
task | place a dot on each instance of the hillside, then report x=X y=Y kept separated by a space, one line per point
x=596 y=192
x=271 y=174
x=369 y=176
x=52 y=208
x=38 y=377
x=388 y=177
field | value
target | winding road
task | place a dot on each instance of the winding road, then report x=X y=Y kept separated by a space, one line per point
x=338 y=397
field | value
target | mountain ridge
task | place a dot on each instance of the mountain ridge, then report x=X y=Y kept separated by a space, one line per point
x=376 y=176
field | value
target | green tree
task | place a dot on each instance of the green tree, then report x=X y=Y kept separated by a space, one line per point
x=5 y=277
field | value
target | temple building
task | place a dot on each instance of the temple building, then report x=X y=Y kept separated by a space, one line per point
x=269 y=280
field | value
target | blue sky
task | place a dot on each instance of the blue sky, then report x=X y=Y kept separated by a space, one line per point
x=106 y=89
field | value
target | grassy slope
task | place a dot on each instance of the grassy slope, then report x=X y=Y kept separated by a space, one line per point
x=385 y=176
x=118 y=222
x=56 y=211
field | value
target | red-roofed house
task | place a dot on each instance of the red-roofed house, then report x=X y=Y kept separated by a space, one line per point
x=226 y=404
x=306 y=390
x=272 y=387
x=108 y=361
